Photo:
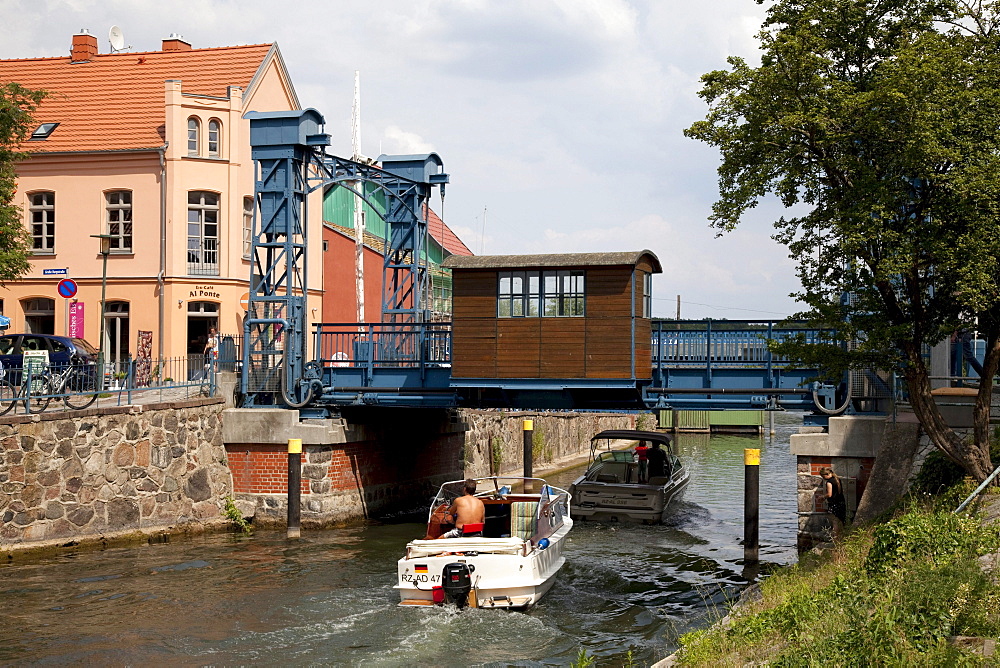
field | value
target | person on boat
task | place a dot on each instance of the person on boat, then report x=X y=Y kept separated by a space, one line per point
x=641 y=455
x=466 y=509
x=657 y=461
x=836 y=504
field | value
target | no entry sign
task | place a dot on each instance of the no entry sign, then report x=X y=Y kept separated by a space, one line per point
x=67 y=288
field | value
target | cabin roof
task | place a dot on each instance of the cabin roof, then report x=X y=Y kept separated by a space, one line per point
x=633 y=435
x=624 y=258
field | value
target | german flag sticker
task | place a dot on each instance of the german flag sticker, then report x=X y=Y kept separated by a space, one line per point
x=420 y=568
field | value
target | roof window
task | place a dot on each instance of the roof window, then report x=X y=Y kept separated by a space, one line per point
x=44 y=130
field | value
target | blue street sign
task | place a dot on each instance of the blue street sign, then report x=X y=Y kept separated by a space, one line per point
x=67 y=288
x=54 y=272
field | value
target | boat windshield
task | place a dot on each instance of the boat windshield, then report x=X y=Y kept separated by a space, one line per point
x=493 y=487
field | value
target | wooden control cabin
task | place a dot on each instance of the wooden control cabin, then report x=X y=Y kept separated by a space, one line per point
x=565 y=316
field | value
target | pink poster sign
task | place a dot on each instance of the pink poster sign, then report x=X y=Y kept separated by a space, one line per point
x=76 y=320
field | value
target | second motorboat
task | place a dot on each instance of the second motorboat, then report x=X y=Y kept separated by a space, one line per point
x=615 y=486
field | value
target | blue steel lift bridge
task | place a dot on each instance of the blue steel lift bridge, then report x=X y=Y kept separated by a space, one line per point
x=405 y=360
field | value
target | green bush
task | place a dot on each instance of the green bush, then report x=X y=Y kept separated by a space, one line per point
x=937 y=474
x=887 y=596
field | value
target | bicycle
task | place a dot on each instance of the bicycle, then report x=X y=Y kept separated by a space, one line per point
x=73 y=382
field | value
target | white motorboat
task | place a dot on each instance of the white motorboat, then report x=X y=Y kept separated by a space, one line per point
x=610 y=488
x=511 y=565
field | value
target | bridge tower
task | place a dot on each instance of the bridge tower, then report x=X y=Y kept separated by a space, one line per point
x=288 y=149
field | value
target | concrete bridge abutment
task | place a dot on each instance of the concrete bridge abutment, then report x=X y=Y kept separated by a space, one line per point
x=374 y=462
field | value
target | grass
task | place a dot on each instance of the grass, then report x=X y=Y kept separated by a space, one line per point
x=888 y=595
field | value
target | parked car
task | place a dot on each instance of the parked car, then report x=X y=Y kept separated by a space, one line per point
x=62 y=350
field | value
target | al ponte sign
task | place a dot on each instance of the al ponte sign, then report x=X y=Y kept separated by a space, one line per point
x=203 y=291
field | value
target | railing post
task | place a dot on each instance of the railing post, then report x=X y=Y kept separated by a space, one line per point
x=130 y=380
x=708 y=351
x=770 y=355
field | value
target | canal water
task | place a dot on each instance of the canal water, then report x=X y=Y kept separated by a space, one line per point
x=328 y=599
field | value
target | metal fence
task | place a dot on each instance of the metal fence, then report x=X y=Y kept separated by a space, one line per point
x=692 y=343
x=383 y=344
x=35 y=388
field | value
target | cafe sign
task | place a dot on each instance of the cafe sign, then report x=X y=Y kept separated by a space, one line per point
x=203 y=291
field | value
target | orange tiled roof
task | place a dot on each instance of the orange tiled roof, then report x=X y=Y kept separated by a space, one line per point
x=444 y=235
x=116 y=101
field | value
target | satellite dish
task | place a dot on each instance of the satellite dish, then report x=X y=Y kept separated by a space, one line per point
x=116 y=38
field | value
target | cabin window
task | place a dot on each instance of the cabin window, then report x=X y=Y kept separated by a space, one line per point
x=647 y=295
x=533 y=294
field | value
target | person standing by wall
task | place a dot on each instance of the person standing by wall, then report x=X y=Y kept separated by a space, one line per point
x=836 y=505
x=211 y=346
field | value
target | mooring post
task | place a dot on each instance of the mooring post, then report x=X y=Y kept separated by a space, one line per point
x=294 y=486
x=528 y=433
x=751 y=504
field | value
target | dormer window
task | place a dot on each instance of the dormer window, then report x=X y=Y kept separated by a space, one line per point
x=44 y=130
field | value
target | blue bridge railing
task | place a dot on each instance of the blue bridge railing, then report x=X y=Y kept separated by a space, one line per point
x=383 y=345
x=687 y=343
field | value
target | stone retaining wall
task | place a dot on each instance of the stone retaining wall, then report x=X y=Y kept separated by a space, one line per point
x=494 y=440
x=76 y=474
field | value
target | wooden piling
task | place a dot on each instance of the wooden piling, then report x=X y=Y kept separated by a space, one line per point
x=294 y=487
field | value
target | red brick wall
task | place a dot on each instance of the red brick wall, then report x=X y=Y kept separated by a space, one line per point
x=260 y=469
x=263 y=469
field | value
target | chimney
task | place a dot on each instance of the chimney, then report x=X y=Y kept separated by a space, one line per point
x=176 y=43
x=84 y=46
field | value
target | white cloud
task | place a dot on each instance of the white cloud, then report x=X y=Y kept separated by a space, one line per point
x=562 y=118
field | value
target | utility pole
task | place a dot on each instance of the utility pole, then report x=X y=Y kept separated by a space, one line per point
x=359 y=213
x=678 y=307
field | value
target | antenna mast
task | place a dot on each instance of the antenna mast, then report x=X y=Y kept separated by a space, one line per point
x=359 y=213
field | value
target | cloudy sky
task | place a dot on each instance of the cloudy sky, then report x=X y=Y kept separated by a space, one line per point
x=559 y=121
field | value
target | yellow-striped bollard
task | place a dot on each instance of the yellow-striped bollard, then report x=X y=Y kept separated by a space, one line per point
x=751 y=505
x=294 y=487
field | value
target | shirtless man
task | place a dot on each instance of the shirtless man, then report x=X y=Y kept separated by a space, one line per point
x=466 y=509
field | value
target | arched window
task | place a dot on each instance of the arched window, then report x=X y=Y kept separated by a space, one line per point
x=39 y=315
x=194 y=135
x=247 y=225
x=214 y=138
x=43 y=222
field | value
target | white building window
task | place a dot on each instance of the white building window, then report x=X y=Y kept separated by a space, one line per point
x=194 y=136
x=203 y=233
x=43 y=222
x=119 y=218
x=214 y=138
x=247 y=225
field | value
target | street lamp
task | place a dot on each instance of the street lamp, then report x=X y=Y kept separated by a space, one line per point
x=105 y=252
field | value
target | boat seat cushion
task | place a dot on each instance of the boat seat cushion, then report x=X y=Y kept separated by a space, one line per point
x=607 y=477
x=659 y=480
x=522 y=519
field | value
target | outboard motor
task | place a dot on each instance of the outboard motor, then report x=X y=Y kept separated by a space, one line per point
x=456 y=579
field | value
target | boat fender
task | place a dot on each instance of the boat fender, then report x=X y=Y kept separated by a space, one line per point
x=437 y=591
x=543 y=543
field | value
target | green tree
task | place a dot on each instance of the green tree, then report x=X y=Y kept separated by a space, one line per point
x=17 y=104
x=879 y=121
